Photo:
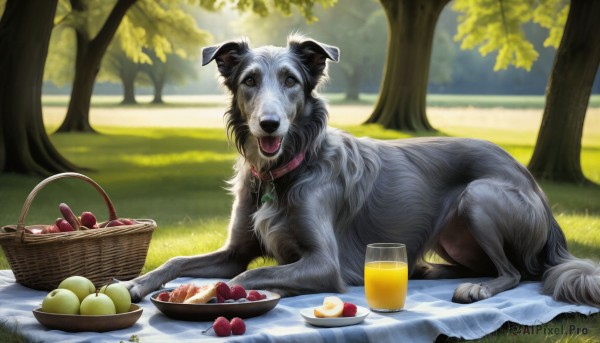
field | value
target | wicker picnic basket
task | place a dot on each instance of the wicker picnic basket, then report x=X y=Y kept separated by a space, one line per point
x=42 y=261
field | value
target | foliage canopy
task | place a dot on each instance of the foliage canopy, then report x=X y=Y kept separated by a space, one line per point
x=497 y=25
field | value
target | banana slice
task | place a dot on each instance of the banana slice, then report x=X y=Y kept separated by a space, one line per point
x=332 y=307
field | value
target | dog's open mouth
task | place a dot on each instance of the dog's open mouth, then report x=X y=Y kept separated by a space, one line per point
x=269 y=145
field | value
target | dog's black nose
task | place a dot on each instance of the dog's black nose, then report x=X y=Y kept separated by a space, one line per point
x=269 y=123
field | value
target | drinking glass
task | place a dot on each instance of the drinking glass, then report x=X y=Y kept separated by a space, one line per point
x=386 y=276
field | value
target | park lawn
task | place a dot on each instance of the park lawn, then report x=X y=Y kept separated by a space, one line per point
x=178 y=178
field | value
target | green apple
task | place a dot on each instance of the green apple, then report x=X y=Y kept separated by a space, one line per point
x=61 y=301
x=97 y=304
x=79 y=285
x=119 y=294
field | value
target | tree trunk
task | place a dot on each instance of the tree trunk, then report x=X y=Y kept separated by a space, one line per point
x=128 y=91
x=128 y=73
x=158 y=95
x=557 y=151
x=25 y=31
x=354 y=78
x=158 y=75
x=87 y=64
x=402 y=99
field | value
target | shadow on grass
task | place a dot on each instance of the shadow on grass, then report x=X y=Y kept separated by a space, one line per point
x=584 y=251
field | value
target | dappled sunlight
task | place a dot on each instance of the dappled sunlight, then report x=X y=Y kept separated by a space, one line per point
x=374 y=131
x=193 y=156
x=161 y=132
x=193 y=238
x=581 y=231
x=81 y=149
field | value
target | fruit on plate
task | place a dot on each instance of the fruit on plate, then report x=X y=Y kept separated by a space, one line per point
x=164 y=296
x=97 y=304
x=214 y=293
x=61 y=301
x=332 y=307
x=238 y=292
x=120 y=296
x=81 y=286
x=201 y=295
x=349 y=310
x=192 y=294
x=223 y=291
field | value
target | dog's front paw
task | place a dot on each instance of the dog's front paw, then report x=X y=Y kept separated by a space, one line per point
x=467 y=293
x=135 y=290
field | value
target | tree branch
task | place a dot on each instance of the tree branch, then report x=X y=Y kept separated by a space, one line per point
x=111 y=24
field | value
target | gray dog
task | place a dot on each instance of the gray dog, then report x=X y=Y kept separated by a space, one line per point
x=313 y=197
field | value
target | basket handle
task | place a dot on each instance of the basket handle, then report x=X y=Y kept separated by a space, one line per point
x=112 y=214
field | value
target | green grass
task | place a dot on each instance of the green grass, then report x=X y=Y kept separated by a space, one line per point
x=479 y=101
x=434 y=100
x=177 y=177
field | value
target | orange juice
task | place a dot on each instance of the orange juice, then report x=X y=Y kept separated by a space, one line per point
x=386 y=283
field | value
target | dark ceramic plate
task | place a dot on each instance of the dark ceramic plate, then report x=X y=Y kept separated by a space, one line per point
x=80 y=323
x=209 y=312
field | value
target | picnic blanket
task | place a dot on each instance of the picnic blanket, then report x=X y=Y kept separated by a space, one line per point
x=428 y=313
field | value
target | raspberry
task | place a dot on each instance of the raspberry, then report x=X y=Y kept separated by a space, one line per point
x=237 y=292
x=263 y=296
x=223 y=291
x=238 y=327
x=253 y=296
x=222 y=327
x=349 y=310
x=164 y=296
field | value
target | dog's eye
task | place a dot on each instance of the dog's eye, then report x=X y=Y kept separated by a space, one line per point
x=290 y=81
x=249 y=81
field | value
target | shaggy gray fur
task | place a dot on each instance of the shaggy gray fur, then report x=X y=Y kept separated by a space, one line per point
x=465 y=199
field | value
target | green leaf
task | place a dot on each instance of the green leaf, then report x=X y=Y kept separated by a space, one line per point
x=497 y=26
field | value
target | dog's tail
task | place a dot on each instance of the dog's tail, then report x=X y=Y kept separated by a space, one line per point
x=568 y=278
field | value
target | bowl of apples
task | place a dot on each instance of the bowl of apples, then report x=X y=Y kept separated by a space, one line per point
x=76 y=306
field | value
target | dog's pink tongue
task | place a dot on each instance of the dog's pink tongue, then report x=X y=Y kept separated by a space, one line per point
x=269 y=144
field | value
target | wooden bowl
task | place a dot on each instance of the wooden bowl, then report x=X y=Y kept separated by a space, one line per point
x=80 y=323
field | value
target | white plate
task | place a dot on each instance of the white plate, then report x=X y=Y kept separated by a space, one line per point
x=309 y=316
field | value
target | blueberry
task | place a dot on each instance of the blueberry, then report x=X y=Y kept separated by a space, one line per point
x=242 y=300
x=212 y=300
x=229 y=301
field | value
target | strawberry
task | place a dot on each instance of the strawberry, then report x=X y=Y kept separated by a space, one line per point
x=237 y=292
x=223 y=291
x=222 y=327
x=238 y=327
x=253 y=295
x=164 y=296
x=349 y=310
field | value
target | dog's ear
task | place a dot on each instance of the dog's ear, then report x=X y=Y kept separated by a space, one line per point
x=313 y=54
x=227 y=55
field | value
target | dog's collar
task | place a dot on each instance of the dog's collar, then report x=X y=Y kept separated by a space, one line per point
x=281 y=171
